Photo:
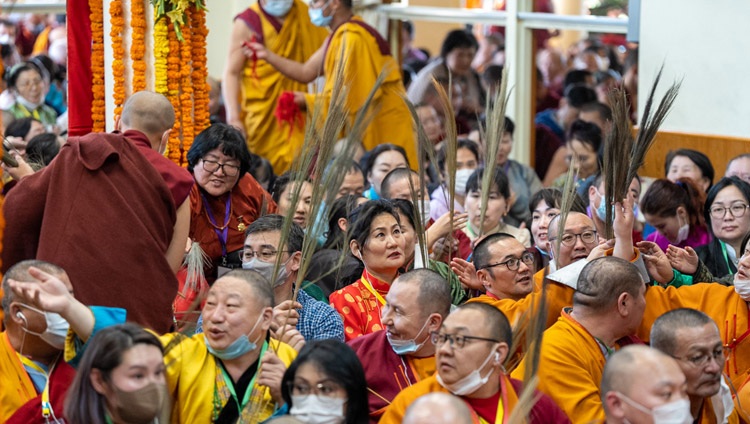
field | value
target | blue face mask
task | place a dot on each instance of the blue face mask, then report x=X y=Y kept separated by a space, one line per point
x=317 y=18
x=278 y=8
x=601 y=210
x=405 y=347
x=238 y=348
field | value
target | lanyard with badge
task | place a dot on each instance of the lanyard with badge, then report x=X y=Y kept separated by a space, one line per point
x=47 y=413
x=372 y=290
x=230 y=383
x=222 y=232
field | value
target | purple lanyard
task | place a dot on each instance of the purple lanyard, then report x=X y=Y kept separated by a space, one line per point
x=223 y=231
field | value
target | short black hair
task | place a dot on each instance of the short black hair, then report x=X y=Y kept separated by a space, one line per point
x=575 y=77
x=279 y=185
x=579 y=94
x=223 y=136
x=493 y=74
x=456 y=39
x=699 y=159
x=586 y=133
x=340 y=208
x=510 y=126
x=603 y=110
x=406 y=207
x=481 y=255
x=338 y=362
x=19 y=127
x=261 y=167
x=273 y=222
x=553 y=199
x=499 y=179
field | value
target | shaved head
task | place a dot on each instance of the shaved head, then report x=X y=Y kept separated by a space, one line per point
x=148 y=112
x=438 y=408
x=603 y=280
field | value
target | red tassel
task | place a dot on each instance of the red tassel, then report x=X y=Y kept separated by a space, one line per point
x=288 y=112
x=254 y=59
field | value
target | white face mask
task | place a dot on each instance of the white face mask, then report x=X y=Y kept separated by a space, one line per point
x=424 y=210
x=57 y=328
x=462 y=177
x=315 y=409
x=683 y=232
x=742 y=287
x=472 y=382
x=677 y=412
x=405 y=347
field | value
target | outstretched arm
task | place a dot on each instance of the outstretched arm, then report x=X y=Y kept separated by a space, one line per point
x=623 y=228
x=302 y=72
x=52 y=296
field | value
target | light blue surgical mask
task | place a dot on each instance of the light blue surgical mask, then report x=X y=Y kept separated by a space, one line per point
x=317 y=18
x=405 y=347
x=278 y=8
x=238 y=347
x=601 y=210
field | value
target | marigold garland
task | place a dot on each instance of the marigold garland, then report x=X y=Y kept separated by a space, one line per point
x=118 y=53
x=161 y=52
x=173 y=92
x=138 y=44
x=186 y=86
x=200 y=70
x=98 y=107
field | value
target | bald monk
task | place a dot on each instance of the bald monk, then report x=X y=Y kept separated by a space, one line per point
x=111 y=211
x=366 y=55
x=438 y=408
x=252 y=87
x=637 y=379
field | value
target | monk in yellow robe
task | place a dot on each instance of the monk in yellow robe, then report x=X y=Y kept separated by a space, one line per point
x=365 y=56
x=252 y=87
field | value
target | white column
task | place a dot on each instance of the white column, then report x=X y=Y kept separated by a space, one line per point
x=518 y=52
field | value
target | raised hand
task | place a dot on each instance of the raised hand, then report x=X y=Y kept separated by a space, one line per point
x=47 y=291
x=285 y=314
x=290 y=336
x=684 y=260
x=466 y=273
x=445 y=225
x=656 y=262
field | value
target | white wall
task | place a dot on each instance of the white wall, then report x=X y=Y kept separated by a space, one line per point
x=706 y=42
x=219 y=20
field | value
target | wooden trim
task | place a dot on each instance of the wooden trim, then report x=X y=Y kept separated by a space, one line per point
x=719 y=149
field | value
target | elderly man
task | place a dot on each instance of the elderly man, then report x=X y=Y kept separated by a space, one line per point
x=640 y=383
x=739 y=167
x=210 y=376
x=607 y=307
x=692 y=337
x=472 y=345
x=438 y=408
x=402 y=354
x=31 y=353
x=121 y=252
x=314 y=319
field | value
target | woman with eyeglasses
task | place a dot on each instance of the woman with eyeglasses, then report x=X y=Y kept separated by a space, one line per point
x=28 y=83
x=326 y=384
x=675 y=210
x=225 y=198
x=728 y=222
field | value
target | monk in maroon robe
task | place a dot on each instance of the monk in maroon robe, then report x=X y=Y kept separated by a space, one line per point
x=106 y=210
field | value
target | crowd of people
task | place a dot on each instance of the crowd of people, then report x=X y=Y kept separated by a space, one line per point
x=136 y=291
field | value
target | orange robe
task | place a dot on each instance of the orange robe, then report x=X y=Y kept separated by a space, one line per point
x=544 y=410
x=359 y=307
x=367 y=54
x=722 y=304
x=571 y=364
x=296 y=39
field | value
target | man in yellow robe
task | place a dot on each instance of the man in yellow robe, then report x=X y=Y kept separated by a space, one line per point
x=230 y=373
x=607 y=307
x=693 y=339
x=252 y=87
x=365 y=56
x=472 y=345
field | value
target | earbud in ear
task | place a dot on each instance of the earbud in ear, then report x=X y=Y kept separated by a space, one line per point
x=19 y=314
x=497 y=356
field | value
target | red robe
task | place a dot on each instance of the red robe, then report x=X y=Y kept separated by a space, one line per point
x=60 y=380
x=248 y=199
x=386 y=373
x=102 y=212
